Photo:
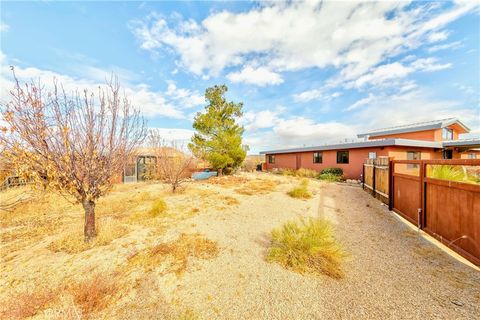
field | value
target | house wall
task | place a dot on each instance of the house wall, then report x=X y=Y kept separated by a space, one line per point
x=352 y=170
x=427 y=135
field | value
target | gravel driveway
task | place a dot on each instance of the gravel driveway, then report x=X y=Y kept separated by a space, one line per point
x=391 y=272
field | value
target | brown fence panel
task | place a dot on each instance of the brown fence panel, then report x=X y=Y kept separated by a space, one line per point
x=376 y=177
x=449 y=210
x=407 y=196
x=452 y=215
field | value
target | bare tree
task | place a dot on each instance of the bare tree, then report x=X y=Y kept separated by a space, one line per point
x=74 y=144
x=173 y=163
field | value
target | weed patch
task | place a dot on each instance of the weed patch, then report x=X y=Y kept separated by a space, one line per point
x=159 y=207
x=301 y=191
x=307 y=246
x=257 y=187
x=26 y=304
x=93 y=294
x=176 y=253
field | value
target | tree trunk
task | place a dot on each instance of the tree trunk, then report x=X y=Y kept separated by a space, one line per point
x=89 y=231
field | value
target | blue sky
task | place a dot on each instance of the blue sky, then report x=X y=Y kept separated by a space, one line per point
x=308 y=73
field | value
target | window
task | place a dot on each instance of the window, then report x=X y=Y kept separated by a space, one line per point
x=447 y=154
x=372 y=155
x=342 y=156
x=472 y=156
x=413 y=155
x=317 y=157
x=447 y=134
x=271 y=159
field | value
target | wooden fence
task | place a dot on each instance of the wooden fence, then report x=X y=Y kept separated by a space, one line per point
x=376 y=177
x=447 y=210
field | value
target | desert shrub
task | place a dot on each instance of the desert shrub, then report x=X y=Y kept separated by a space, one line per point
x=335 y=171
x=306 y=173
x=330 y=177
x=159 y=207
x=300 y=191
x=93 y=294
x=26 y=304
x=331 y=174
x=178 y=252
x=307 y=246
x=256 y=187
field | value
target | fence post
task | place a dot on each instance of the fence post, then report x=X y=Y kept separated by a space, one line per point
x=420 y=209
x=363 y=176
x=423 y=195
x=373 y=178
x=390 y=184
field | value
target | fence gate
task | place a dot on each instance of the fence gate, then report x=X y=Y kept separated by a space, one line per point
x=447 y=210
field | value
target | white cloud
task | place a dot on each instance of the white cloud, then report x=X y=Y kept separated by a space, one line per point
x=438 y=36
x=429 y=65
x=184 y=98
x=410 y=107
x=175 y=135
x=361 y=102
x=149 y=102
x=450 y=45
x=4 y=27
x=252 y=120
x=258 y=76
x=315 y=94
x=351 y=36
x=390 y=74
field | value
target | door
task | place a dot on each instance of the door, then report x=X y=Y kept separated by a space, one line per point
x=299 y=161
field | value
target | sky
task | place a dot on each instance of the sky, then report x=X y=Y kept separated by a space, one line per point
x=308 y=73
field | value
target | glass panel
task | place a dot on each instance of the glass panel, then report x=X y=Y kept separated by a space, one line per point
x=459 y=173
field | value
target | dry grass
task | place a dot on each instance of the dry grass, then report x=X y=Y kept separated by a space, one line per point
x=231 y=201
x=301 y=191
x=228 y=181
x=300 y=173
x=176 y=253
x=93 y=294
x=257 y=187
x=72 y=242
x=159 y=207
x=307 y=246
x=27 y=304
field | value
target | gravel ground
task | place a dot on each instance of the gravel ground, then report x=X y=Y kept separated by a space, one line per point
x=391 y=272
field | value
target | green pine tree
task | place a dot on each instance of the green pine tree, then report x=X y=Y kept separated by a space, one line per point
x=218 y=139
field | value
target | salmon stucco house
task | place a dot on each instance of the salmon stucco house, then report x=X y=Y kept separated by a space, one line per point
x=439 y=139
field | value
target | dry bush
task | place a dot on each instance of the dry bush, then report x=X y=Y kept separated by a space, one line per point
x=177 y=253
x=227 y=181
x=307 y=246
x=93 y=294
x=72 y=242
x=26 y=304
x=159 y=207
x=187 y=245
x=257 y=187
x=301 y=191
x=231 y=201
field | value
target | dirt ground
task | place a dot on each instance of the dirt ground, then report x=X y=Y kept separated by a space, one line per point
x=390 y=272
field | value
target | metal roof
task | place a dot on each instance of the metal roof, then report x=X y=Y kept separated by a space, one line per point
x=462 y=142
x=363 y=144
x=419 y=126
